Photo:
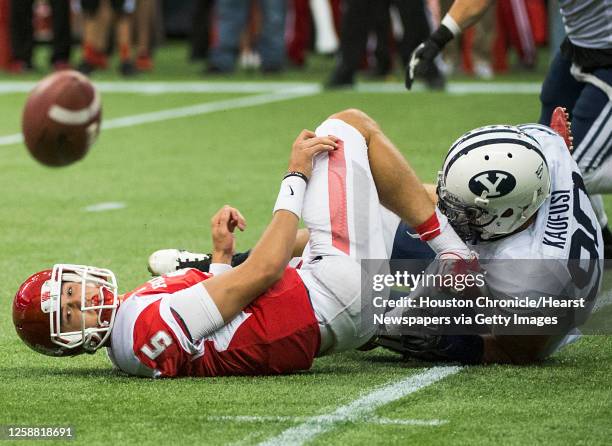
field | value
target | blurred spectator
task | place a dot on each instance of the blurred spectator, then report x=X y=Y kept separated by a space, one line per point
x=381 y=29
x=521 y=25
x=145 y=23
x=22 y=34
x=353 y=37
x=472 y=52
x=98 y=17
x=302 y=16
x=200 y=29
x=232 y=16
x=248 y=55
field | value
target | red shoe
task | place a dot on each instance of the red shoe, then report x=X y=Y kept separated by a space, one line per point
x=16 y=67
x=560 y=123
x=96 y=59
x=144 y=63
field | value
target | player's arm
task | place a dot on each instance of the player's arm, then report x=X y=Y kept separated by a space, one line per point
x=462 y=15
x=235 y=289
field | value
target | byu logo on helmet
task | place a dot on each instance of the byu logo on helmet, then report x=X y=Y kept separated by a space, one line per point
x=496 y=183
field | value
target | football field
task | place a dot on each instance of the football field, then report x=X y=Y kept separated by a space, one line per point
x=169 y=155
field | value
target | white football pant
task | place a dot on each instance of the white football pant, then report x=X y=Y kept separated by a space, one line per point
x=345 y=219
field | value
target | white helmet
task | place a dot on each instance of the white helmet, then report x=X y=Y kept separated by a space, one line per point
x=493 y=180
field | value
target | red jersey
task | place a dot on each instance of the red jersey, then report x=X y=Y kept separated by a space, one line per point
x=277 y=333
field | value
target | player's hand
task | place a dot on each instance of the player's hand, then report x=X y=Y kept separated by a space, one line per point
x=222 y=227
x=422 y=58
x=305 y=147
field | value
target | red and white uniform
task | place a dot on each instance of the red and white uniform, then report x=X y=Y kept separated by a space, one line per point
x=347 y=224
x=277 y=333
x=281 y=331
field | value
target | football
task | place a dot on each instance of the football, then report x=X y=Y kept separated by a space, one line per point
x=61 y=118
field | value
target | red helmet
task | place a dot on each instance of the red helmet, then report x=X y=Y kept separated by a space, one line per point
x=36 y=310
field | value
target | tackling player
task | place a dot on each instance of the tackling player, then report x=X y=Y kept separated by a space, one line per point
x=260 y=317
x=579 y=79
x=513 y=193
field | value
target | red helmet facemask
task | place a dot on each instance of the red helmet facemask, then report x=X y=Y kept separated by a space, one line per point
x=37 y=310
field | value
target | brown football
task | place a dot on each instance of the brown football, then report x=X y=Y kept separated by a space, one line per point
x=61 y=118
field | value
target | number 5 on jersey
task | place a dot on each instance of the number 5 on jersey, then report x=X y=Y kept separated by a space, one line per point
x=159 y=342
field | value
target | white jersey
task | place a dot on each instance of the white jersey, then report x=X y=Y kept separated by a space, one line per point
x=588 y=23
x=563 y=220
x=565 y=230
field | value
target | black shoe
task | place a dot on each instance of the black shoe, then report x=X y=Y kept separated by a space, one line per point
x=340 y=79
x=86 y=68
x=127 y=68
x=431 y=75
x=165 y=261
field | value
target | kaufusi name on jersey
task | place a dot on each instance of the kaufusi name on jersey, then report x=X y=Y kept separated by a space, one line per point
x=557 y=223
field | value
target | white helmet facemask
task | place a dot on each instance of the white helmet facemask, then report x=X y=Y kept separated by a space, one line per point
x=105 y=306
x=493 y=180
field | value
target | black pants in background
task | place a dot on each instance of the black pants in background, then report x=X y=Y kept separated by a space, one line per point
x=22 y=31
x=356 y=23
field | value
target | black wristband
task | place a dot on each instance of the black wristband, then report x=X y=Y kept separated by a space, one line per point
x=442 y=36
x=296 y=174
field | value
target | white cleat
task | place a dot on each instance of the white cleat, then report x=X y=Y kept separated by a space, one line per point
x=165 y=261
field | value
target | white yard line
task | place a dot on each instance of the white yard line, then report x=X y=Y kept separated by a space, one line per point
x=191 y=110
x=268 y=87
x=337 y=419
x=172 y=87
x=272 y=92
x=360 y=408
x=106 y=206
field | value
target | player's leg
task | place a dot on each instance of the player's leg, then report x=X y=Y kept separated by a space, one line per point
x=401 y=191
x=559 y=89
x=342 y=213
x=341 y=205
x=592 y=129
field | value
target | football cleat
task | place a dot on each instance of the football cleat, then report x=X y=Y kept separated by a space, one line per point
x=165 y=261
x=560 y=123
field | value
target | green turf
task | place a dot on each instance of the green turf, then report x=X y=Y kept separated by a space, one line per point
x=173 y=175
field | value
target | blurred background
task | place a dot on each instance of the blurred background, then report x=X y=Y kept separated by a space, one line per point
x=336 y=42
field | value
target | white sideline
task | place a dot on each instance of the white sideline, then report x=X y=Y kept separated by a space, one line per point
x=267 y=87
x=339 y=419
x=191 y=110
x=359 y=408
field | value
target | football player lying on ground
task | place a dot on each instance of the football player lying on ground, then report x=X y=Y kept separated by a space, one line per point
x=260 y=317
x=579 y=78
x=510 y=193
